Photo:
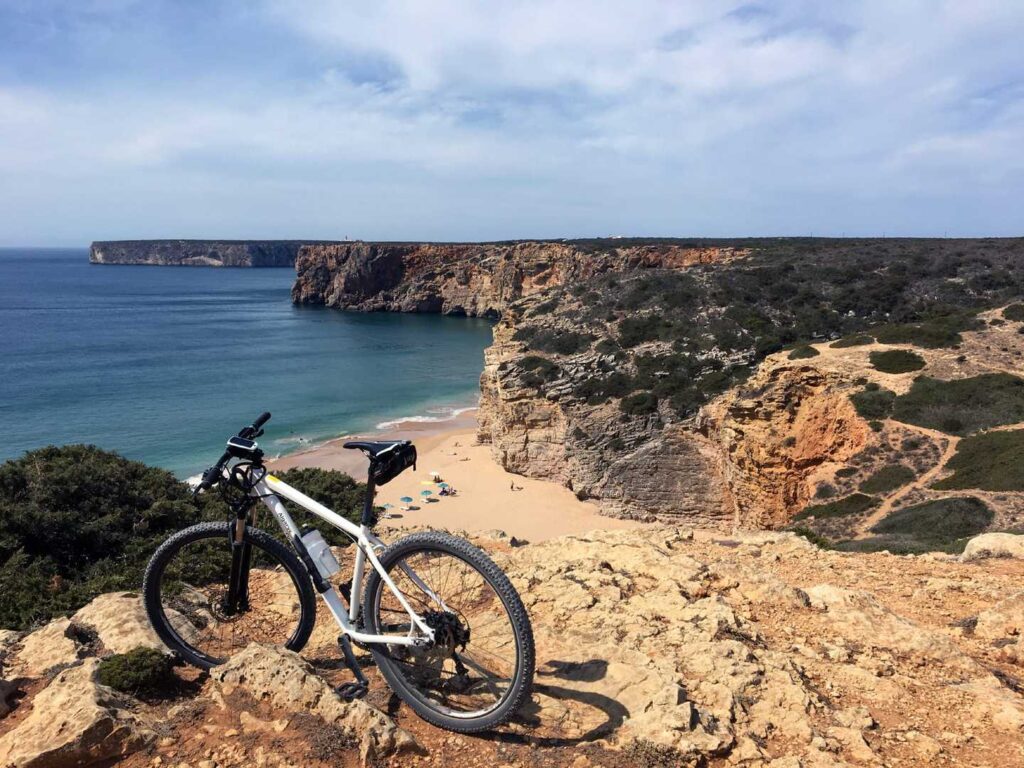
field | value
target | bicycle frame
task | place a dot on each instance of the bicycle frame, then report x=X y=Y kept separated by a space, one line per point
x=270 y=488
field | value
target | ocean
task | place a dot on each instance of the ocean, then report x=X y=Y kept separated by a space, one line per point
x=163 y=364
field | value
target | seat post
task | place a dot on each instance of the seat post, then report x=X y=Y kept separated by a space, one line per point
x=370 y=492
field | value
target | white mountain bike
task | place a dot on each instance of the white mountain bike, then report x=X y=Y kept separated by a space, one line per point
x=444 y=625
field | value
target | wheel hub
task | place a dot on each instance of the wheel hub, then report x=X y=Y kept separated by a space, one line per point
x=449 y=631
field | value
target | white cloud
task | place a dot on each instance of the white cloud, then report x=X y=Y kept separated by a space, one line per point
x=557 y=117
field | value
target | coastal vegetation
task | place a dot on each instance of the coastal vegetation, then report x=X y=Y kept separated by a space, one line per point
x=700 y=331
x=803 y=352
x=990 y=461
x=846 y=506
x=962 y=406
x=888 y=478
x=896 y=361
x=77 y=521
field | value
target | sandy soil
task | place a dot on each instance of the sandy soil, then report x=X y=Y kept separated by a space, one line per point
x=536 y=510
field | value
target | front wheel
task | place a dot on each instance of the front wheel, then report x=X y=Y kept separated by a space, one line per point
x=207 y=599
x=479 y=670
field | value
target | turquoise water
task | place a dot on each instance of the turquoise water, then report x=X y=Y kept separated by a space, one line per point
x=162 y=364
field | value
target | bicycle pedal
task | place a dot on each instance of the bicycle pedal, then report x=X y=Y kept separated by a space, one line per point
x=352 y=691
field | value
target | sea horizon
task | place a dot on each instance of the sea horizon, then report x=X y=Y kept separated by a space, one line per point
x=161 y=365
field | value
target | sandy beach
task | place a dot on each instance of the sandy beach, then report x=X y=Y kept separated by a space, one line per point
x=535 y=511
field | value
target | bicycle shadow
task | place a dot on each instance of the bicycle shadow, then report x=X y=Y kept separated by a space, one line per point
x=564 y=710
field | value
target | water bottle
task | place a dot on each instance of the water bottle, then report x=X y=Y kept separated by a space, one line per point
x=320 y=553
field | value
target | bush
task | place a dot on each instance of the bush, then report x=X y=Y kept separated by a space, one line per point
x=803 y=352
x=962 y=406
x=141 y=671
x=640 y=404
x=930 y=334
x=873 y=403
x=939 y=522
x=991 y=461
x=896 y=361
x=556 y=340
x=538 y=370
x=888 y=479
x=860 y=340
x=849 y=505
x=1014 y=312
x=815 y=538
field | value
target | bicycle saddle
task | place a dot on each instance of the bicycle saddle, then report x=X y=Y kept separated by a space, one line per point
x=374 y=447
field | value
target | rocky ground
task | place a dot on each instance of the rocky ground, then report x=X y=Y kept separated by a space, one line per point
x=655 y=648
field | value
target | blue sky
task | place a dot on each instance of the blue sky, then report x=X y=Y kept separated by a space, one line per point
x=445 y=120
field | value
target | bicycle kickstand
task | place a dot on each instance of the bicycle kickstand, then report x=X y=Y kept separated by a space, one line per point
x=359 y=688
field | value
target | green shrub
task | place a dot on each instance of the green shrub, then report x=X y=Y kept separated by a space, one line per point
x=538 y=370
x=815 y=538
x=848 y=505
x=846 y=472
x=962 y=406
x=896 y=361
x=930 y=334
x=873 y=403
x=860 y=340
x=803 y=352
x=139 y=672
x=640 y=404
x=938 y=522
x=991 y=461
x=1014 y=312
x=897 y=545
x=556 y=340
x=888 y=479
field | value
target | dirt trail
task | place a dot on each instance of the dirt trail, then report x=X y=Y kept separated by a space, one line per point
x=864 y=529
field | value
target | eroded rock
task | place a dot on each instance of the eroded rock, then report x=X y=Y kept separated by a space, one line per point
x=284 y=680
x=75 y=721
x=994 y=545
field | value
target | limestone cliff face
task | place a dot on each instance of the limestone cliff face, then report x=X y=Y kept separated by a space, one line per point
x=197 y=253
x=636 y=468
x=775 y=432
x=475 y=279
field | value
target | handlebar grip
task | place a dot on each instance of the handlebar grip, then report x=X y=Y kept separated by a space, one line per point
x=261 y=420
x=212 y=475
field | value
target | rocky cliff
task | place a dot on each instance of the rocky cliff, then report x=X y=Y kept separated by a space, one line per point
x=663 y=378
x=475 y=279
x=656 y=648
x=197 y=253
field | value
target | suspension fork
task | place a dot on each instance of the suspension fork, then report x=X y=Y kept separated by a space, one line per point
x=241 y=560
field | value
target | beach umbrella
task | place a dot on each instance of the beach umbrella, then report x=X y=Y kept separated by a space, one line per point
x=389 y=506
x=443 y=485
x=406 y=499
x=424 y=494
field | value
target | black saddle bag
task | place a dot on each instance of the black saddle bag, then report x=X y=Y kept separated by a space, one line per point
x=390 y=464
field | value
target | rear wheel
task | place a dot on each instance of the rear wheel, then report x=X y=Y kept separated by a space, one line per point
x=479 y=670
x=198 y=613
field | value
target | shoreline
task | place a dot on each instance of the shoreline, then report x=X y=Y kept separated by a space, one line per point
x=489 y=497
x=425 y=433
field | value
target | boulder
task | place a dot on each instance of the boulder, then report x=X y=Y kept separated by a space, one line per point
x=1004 y=619
x=284 y=680
x=994 y=545
x=120 y=622
x=46 y=648
x=75 y=721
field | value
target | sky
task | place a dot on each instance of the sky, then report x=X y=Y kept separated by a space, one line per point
x=463 y=120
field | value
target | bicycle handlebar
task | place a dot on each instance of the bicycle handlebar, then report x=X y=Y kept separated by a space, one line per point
x=212 y=475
